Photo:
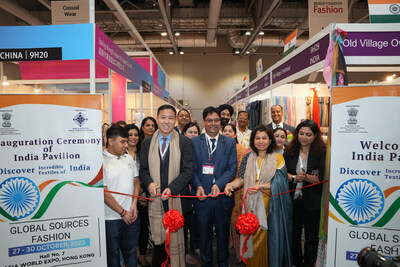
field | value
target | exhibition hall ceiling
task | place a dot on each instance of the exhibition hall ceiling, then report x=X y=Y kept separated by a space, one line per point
x=192 y=26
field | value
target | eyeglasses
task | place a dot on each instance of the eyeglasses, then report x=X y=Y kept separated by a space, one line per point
x=212 y=120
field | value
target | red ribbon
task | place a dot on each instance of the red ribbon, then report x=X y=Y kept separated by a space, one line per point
x=244 y=249
x=172 y=221
x=222 y=193
x=129 y=195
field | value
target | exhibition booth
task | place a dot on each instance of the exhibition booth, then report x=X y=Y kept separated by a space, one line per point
x=369 y=48
x=80 y=58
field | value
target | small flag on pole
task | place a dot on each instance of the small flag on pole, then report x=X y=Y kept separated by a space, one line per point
x=244 y=82
x=384 y=11
x=290 y=43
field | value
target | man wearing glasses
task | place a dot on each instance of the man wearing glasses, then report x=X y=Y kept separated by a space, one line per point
x=215 y=163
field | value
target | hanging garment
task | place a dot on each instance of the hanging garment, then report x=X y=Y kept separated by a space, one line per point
x=257 y=112
x=291 y=103
x=325 y=108
x=321 y=109
x=315 y=116
x=309 y=107
x=265 y=111
x=301 y=109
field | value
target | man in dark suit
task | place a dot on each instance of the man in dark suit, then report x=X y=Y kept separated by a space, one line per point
x=215 y=164
x=182 y=118
x=276 y=116
x=166 y=165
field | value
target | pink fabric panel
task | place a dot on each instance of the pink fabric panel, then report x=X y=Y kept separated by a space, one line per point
x=155 y=71
x=59 y=69
x=118 y=93
x=144 y=62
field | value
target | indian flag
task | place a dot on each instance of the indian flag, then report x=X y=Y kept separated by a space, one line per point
x=244 y=82
x=384 y=11
x=290 y=43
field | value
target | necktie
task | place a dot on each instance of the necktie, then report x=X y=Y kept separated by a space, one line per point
x=163 y=147
x=278 y=126
x=213 y=143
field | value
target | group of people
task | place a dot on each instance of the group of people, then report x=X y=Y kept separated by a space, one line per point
x=169 y=157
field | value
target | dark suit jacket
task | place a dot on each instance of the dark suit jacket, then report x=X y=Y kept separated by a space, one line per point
x=224 y=160
x=176 y=128
x=311 y=195
x=287 y=127
x=180 y=185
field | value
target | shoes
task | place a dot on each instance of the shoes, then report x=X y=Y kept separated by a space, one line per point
x=142 y=261
x=191 y=260
x=238 y=261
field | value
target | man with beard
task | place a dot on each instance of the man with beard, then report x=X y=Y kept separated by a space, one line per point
x=225 y=112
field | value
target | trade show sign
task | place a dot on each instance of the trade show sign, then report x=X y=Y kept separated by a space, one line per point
x=365 y=173
x=51 y=196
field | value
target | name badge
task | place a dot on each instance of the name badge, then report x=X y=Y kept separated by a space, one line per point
x=208 y=169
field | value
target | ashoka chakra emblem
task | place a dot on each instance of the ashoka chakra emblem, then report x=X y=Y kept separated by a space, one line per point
x=19 y=197
x=361 y=199
x=394 y=8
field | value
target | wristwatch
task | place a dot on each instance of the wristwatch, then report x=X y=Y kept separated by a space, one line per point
x=293 y=178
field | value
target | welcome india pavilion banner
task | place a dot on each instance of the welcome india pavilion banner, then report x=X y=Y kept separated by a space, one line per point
x=364 y=173
x=51 y=196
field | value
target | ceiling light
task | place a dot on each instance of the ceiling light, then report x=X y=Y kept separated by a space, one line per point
x=247 y=52
x=36 y=90
x=261 y=33
x=248 y=33
x=163 y=34
x=181 y=52
x=389 y=78
x=5 y=82
x=177 y=34
x=171 y=52
x=237 y=51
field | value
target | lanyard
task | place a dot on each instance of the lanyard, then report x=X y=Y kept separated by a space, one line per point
x=166 y=148
x=259 y=169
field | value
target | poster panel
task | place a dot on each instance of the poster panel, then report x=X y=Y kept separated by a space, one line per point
x=51 y=196
x=321 y=13
x=365 y=173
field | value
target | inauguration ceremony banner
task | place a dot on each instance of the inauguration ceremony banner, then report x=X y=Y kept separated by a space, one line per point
x=51 y=195
x=364 y=173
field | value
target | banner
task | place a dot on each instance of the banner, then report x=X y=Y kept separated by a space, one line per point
x=322 y=13
x=364 y=174
x=69 y=12
x=51 y=196
x=46 y=42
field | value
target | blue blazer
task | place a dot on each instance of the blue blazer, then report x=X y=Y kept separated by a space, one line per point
x=224 y=160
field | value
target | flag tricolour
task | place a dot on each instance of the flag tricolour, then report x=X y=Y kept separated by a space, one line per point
x=384 y=11
x=290 y=43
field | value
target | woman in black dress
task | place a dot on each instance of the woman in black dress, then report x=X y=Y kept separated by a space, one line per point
x=305 y=163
